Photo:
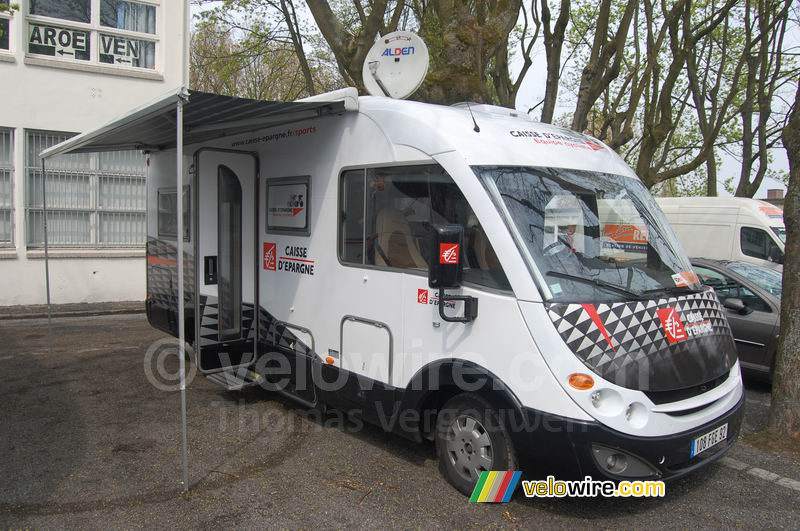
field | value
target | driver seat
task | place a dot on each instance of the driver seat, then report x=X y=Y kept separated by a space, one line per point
x=395 y=245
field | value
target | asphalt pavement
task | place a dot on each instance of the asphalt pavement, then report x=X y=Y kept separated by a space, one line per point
x=86 y=440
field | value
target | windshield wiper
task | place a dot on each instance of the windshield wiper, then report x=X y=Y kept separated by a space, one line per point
x=597 y=282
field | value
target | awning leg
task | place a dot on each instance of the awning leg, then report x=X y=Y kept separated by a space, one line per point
x=46 y=256
x=181 y=309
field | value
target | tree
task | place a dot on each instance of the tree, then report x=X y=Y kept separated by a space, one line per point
x=784 y=413
x=553 y=43
x=765 y=24
x=605 y=58
x=351 y=29
x=469 y=47
x=257 y=49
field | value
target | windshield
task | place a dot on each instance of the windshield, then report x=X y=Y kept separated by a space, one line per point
x=767 y=279
x=781 y=233
x=593 y=236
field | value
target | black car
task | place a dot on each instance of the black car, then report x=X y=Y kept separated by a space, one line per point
x=751 y=295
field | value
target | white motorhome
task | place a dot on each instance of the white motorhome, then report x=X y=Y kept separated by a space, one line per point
x=728 y=228
x=505 y=288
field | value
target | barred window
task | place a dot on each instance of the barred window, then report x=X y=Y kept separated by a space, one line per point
x=6 y=186
x=93 y=199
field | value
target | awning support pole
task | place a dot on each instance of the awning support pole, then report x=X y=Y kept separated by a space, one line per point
x=46 y=252
x=181 y=309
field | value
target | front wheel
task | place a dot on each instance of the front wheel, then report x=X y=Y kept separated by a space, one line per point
x=471 y=439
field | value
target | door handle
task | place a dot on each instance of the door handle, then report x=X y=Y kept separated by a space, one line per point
x=210 y=270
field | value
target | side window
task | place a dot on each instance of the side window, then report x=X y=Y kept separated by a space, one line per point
x=758 y=244
x=398 y=217
x=168 y=213
x=727 y=288
x=753 y=301
x=724 y=286
x=351 y=229
x=402 y=205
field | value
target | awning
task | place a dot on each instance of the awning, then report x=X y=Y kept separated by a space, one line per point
x=181 y=118
x=206 y=117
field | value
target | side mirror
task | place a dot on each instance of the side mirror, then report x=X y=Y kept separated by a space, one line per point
x=445 y=270
x=736 y=305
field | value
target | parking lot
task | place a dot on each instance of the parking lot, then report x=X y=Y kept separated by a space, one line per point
x=87 y=440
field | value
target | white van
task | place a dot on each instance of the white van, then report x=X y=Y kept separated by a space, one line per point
x=505 y=288
x=728 y=228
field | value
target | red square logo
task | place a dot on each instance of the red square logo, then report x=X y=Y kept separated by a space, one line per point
x=422 y=296
x=673 y=325
x=448 y=253
x=269 y=256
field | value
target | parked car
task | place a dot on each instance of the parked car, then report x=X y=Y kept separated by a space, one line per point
x=751 y=295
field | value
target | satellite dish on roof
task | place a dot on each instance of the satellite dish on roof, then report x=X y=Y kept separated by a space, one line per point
x=396 y=65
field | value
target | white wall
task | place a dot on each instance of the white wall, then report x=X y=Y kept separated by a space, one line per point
x=48 y=94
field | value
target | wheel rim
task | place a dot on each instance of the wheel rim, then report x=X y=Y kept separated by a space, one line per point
x=469 y=447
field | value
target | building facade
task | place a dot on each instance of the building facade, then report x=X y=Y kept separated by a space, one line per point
x=69 y=66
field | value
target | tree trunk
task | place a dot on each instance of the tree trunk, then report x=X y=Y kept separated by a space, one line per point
x=553 y=43
x=290 y=15
x=784 y=414
x=711 y=175
x=604 y=61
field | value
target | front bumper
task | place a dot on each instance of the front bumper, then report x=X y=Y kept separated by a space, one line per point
x=551 y=445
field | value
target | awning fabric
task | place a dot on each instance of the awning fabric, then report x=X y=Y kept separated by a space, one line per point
x=206 y=117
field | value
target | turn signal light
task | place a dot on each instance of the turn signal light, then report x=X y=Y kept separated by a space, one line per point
x=581 y=382
x=329 y=360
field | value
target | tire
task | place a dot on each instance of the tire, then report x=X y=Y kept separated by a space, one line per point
x=470 y=438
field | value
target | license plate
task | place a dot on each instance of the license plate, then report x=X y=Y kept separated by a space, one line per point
x=712 y=438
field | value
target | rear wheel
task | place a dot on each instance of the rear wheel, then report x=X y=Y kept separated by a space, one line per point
x=470 y=439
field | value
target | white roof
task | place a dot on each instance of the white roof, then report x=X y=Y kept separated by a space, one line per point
x=503 y=139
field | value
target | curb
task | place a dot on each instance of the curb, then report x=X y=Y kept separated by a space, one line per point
x=41 y=313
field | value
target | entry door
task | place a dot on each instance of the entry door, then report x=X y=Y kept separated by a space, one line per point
x=226 y=221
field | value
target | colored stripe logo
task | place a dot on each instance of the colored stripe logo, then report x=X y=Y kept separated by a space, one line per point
x=494 y=487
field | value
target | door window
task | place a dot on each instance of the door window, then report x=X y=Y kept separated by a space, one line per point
x=758 y=244
x=387 y=215
x=168 y=213
x=728 y=288
x=351 y=236
x=229 y=251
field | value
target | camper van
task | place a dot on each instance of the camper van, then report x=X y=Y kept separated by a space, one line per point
x=513 y=294
x=728 y=228
x=506 y=289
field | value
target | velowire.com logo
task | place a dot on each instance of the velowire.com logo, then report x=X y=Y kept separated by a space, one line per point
x=495 y=486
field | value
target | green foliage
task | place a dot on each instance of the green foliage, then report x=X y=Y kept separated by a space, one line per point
x=242 y=48
x=5 y=7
